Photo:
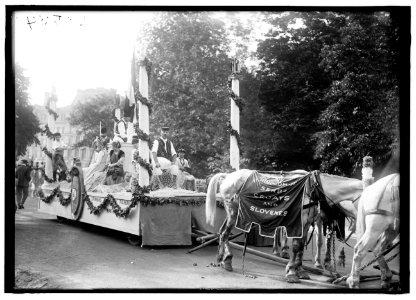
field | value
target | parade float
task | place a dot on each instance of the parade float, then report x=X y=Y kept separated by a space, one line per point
x=168 y=216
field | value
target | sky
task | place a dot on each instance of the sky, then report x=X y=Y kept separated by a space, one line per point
x=80 y=50
x=75 y=50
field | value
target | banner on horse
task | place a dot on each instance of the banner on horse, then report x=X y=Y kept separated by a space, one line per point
x=272 y=201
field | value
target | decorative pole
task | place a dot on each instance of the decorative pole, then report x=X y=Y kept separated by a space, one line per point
x=143 y=107
x=235 y=115
x=367 y=171
x=51 y=107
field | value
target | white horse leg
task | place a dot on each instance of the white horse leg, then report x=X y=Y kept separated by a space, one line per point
x=285 y=247
x=225 y=254
x=294 y=269
x=319 y=243
x=386 y=274
x=276 y=242
x=375 y=225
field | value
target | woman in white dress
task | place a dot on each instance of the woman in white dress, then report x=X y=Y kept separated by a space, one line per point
x=97 y=164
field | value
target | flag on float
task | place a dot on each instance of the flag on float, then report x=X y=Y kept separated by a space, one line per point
x=131 y=84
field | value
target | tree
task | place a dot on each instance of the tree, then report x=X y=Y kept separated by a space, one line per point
x=362 y=116
x=331 y=87
x=90 y=107
x=189 y=84
x=26 y=123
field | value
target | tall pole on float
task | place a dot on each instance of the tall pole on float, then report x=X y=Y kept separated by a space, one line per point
x=143 y=109
x=235 y=115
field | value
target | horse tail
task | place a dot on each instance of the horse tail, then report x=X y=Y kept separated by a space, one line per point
x=211 y=198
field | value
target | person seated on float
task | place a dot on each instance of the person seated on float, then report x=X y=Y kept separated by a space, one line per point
x=120 y=134
x=98 y=161
x=124 y=131
x=58 y=148
x=185 y=179
x=164 y=155
x=115 y=162
x=103 y=138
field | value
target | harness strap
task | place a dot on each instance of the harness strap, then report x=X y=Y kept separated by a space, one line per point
x=378 y=211
x=245 y=247
x=310 y=204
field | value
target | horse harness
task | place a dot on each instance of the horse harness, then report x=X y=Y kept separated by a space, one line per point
x=393 y=185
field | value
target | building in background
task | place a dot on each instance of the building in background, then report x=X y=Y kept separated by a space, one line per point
x=70 y=135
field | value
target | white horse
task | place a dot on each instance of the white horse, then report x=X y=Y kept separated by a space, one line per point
x=336 y=189
x=377 y=226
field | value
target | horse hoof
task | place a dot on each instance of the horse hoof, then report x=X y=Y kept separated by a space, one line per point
x=303 y=275
x=319 y=266
x=285 y=255
x=351 y=283
x=277 y=254
x=385 y=285
x=227 y=266
x=292 y=278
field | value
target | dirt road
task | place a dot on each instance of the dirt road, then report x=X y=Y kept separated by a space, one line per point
x=54 y=255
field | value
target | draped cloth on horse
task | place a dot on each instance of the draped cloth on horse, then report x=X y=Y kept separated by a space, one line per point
x=272 y=201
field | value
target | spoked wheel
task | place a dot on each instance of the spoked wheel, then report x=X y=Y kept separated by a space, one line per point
x=60 y=219
x=77 y=203
x=134 y=240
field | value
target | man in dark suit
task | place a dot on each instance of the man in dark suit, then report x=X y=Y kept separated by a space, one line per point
x=22 y=176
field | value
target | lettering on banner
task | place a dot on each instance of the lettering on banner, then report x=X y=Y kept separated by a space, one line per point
x=282 y=213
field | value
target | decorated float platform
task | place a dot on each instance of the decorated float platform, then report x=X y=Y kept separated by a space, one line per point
x=161 y=217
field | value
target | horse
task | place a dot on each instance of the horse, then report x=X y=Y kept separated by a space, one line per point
x=280 y=243
x=377 y=226
x=336 y=189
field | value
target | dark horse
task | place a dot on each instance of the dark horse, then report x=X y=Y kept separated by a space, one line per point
x=335 y=189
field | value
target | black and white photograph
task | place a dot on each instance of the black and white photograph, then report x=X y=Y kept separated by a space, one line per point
x=207 y=149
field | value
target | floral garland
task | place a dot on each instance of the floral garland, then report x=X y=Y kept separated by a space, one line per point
x=47 y=179
x=237 y=100
x=182 y=202
x=52 y=112
x=109 y=199
x=146 y=62
x=143 y=100
x=235 y=133
x=138 y=194
x=48 y=132
x=142 y=162
x=56 y=192
x=141 y=134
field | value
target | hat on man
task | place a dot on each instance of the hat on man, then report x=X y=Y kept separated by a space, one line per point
x=57 y=134
x=165 y=128
x=97 y=142
x=116 y=144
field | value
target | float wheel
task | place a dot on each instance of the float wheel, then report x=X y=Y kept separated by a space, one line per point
x=134 y=240
x=60 y=219
x=77 y=203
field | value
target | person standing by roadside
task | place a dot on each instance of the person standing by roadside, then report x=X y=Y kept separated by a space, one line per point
x=22 y=177
x=37 y=179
